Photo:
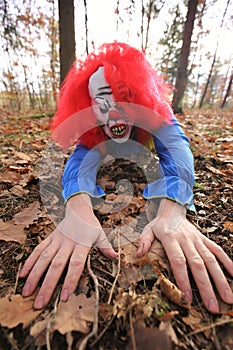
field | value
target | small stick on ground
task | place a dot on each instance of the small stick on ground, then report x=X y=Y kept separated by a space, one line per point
x=94 y=331
x=48 y=346
x=134 y=345
x=205 y=328
x=17 y=278
x=118 y=268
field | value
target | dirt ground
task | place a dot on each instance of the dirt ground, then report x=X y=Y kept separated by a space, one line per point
x=131 y=304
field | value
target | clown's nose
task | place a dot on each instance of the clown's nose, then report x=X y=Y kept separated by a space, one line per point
x=114 y=115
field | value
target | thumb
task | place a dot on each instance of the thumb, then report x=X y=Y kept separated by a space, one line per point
x=144 y=241
x=105 y=246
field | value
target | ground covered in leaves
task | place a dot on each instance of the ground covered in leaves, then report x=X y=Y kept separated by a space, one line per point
x=131 y=304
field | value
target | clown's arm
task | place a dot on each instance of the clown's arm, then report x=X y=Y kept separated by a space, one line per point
x=71 y=241
x=183 y=243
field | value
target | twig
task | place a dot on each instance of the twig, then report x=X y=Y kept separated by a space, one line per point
x=102 y=332
x=104 y=280
x=220 y=323
x=118 y=268
x=10 y=338
x=94 y=331
x=53 y=313
x=134 y=345
x=17 y=278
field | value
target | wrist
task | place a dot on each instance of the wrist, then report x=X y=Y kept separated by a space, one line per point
x=169 y=217
x=169 y=208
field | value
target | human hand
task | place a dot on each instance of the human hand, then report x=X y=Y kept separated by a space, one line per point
x=68 y=244
x=186 y=246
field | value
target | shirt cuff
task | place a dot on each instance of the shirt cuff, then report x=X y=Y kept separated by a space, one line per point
x=74 y=187
x=173 y=188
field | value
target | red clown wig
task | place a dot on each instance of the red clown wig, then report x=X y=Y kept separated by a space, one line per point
x=133 y=81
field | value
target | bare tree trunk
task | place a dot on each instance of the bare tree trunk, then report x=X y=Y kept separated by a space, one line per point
x=86 y=27
x=208 y=79
x=214 y=59
x=67 y=36
x=142 y=26
x=30 y=94
x=182 y=70
x=227 y=94
x=149 y=12
x=54 y=54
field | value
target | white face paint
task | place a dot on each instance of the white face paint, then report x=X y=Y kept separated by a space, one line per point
x=106 y=109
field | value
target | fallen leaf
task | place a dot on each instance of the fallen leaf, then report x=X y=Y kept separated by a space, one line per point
x=168 y=329
x=156 y=255
x=228 y=225
x=10 y=232
x=10 y=177
x=28 y=215
x=19 y=191
x=150 y=339
x=22 y=156
x=194 y=319
x=73 y=315
x=171 y=291
x=214 y=170
x=15 y=310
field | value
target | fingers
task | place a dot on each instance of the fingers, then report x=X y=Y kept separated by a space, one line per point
x=30 y=262
x=201 y=276
x=76 y=266
x=55 y=271
x=202 y=264
x=109 y=252
x=105 y=246
x=179 y=266
x=145 y=241
x=215 y=270
x=37 y=264
x=220 y=254
x=190 y=248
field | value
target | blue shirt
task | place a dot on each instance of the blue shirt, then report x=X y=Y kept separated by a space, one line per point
x=176 y=166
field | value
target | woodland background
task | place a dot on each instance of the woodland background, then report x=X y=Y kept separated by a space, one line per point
x=138 y=305
x=189 y=42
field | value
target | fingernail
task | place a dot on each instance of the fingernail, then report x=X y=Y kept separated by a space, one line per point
x=22 y=272
x=65 y=295
x=39 y=302
x=228 y=296
x=26 y=289
x=139 y=252
x=213 y=305
x=188 y=296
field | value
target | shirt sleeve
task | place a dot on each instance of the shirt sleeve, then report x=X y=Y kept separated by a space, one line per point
x=176 y=166
x=80 y=173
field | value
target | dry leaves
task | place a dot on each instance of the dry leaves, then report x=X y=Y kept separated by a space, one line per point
x=13 y=230
x=28 y=215
x=74 y=315
x=10 y=232
x=15 y=309
x=146 y=306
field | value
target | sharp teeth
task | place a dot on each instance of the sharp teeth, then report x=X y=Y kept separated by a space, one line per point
x=118 y=130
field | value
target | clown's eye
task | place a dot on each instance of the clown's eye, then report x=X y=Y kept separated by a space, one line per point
x=104 y=109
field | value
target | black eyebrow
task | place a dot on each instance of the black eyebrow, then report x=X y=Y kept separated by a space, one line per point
x=104 y=93
x=104 y=87
x=104 y=90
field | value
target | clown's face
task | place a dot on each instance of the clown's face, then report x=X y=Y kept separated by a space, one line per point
x=106 y=109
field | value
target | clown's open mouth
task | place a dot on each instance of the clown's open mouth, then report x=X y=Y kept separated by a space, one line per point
x=119 y=130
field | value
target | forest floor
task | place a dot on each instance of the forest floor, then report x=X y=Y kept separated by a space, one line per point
x=135 y=304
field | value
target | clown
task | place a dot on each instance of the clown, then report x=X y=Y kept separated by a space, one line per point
x=114 y=102
x=106 y=108
x=121 y=98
